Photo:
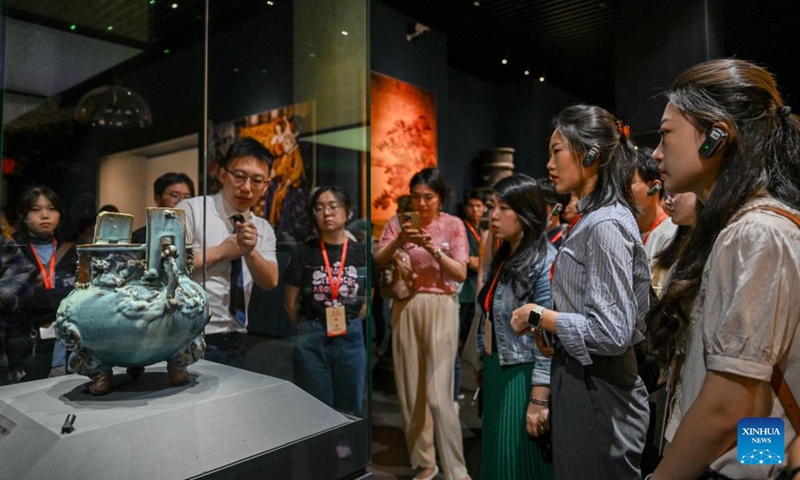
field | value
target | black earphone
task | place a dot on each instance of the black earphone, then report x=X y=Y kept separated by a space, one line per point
x=557 y=208
x=714 y=139
x=590 y=156
x=654 y=189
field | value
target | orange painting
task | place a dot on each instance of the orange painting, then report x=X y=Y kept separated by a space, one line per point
x=402 y=141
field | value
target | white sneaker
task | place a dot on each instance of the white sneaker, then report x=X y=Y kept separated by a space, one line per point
x=431 y=476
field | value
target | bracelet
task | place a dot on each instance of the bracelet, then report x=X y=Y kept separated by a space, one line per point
x=539 y=401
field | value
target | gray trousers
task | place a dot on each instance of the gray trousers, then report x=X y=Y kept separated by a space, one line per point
x=599 y=417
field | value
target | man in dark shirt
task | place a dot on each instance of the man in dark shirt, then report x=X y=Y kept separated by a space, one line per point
x=473 y=212
x=169 y=189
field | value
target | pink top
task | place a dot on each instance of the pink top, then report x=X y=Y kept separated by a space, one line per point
x=449 y=234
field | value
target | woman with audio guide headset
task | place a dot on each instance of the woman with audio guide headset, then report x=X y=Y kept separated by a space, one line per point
x=727 y=321
x=600 y=292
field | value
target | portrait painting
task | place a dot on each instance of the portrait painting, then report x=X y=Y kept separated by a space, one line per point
x=292 y=176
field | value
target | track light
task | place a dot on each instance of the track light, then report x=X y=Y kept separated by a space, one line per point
x=541 y=77
x=504 y=60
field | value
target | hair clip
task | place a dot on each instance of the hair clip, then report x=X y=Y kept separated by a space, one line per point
x=785 y=111
x=624 y=130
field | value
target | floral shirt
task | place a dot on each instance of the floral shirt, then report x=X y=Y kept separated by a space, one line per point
x=447 y=233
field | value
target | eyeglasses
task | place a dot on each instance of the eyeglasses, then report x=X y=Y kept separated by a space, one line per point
x=177 y=196
x=240 y=178
x=331 y=207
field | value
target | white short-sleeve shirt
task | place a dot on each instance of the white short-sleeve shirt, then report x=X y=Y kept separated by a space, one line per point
x=218 y=227
x=745 y=319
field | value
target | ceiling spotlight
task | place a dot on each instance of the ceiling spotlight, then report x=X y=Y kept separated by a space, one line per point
x=174 y=5
x=344 y=32
x=270 y=3
x=527 y=72
x=476 y=3
x=504 y=59
x=541 y=77
x=110 y=28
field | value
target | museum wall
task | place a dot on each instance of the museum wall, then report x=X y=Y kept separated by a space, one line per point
x=473 y=114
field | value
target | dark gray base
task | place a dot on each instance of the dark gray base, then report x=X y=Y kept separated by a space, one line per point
x=226 y=423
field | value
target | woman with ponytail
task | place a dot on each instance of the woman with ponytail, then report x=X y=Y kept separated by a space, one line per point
x=727 y=320
x=600 y=292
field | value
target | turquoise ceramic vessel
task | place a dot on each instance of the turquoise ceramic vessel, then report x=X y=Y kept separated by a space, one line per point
x=134 y=305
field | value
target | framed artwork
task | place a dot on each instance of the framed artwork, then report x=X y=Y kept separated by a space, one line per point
x=402 y=141
x=293 y=173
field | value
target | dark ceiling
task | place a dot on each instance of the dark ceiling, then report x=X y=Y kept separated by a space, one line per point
x=567 y=39
x=563 y=39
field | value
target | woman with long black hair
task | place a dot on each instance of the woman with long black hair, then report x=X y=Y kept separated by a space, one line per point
x=728 y=320
x=516 y=376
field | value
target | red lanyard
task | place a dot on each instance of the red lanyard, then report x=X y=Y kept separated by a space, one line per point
x=334 y=286
x=658 y=221
x=474 y=232
x=487 y=302
x=566 y=236
x=557 y=236
x=47 y=279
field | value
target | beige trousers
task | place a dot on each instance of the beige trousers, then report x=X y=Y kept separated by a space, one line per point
x=424 y=343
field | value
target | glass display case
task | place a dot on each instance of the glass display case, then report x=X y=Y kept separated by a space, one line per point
x=119 y=105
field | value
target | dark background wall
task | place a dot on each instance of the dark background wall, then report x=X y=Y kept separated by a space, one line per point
x=473 y=114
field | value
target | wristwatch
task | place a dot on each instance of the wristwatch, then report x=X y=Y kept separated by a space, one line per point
x=535 y=317
x=437 y=254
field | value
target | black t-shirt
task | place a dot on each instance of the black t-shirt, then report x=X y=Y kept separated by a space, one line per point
x=306 y=271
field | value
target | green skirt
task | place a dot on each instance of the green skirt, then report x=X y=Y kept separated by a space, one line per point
x=508 y=452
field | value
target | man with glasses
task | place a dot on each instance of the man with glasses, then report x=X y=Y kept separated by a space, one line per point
x=169 y=189
x=240 y=251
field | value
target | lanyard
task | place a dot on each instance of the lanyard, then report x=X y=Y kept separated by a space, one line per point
x=557 y=236
x=658 y=221
x=487 y=302
x=47 y=279
x=334 y=286
x=474 y=232
x=566 y=236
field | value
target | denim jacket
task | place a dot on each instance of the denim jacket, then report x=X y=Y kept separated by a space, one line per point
x=512 y=349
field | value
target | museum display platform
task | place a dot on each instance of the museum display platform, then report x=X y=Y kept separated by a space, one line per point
x=226 y=423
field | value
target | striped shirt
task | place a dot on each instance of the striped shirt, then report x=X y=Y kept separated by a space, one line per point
x=601 y=285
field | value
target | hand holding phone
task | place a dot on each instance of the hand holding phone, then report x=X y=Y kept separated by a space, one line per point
x=411 y=219
x=544 y=342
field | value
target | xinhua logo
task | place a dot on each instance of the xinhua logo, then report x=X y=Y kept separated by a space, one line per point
x=760 y=441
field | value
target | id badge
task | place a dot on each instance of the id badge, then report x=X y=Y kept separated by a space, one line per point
x=335 y=320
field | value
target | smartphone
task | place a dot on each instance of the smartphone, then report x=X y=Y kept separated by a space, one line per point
x=547 y=338
x=557 y=209
x=411 y=218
